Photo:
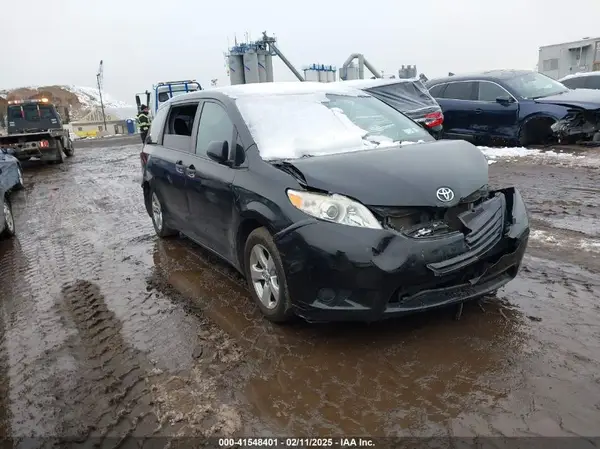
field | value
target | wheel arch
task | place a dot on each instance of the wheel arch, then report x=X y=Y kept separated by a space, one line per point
x=146 y=191
x=255 y=215
x=536 y=121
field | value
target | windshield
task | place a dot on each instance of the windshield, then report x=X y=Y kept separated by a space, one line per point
x=316 y=124
x=535 y=85
x=30 y=112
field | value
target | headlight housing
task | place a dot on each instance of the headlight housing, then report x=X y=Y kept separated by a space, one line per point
x=333 y=208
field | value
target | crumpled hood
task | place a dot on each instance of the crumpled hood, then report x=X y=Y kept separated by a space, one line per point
x=400 y=176
x=581 y=98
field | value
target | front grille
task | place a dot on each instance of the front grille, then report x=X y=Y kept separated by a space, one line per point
x=422 y=222
x=480 y=219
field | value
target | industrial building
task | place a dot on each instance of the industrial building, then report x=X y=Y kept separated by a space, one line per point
x=320 y=73
x=559 y=60
x=92 y=125
x=252 y=62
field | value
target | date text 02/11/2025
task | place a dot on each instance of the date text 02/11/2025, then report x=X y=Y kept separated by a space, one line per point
x=295 y=442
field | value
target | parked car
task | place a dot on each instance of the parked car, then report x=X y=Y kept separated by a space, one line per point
x=408 y=96
x=323 y=197
x=11 y=178
x=515 y=107
x=586 y=80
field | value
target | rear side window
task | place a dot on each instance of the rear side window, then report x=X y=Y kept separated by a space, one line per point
x=178 y=129
x=460 y=91
x=215 y=126
x=575 y=83
x=437 y=91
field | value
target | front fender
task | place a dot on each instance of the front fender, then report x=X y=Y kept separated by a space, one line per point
x=532 y=111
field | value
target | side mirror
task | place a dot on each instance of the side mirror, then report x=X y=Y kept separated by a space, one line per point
x=218 y=151
x=504 y=100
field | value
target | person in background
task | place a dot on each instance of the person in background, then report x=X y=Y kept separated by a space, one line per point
x=143 y=122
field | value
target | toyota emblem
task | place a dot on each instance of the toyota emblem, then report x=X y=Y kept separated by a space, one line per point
x=444 y=194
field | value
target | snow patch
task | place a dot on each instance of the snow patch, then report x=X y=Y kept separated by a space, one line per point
x=583 y=244
x=517 y=152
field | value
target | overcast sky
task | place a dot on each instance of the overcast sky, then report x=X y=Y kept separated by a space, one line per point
x=143 y=42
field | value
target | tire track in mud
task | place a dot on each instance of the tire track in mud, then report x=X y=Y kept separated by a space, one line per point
x=116 y=398
x=78 y=310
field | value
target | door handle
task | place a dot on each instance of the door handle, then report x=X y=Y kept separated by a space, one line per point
x=179 y=166
x=190 y=171
x=478 y=111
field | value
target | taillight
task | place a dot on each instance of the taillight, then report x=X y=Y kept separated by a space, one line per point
x=144 y=158
x=434 y=119
x=44 y=144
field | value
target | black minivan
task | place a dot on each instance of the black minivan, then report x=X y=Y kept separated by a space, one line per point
x=333 y=205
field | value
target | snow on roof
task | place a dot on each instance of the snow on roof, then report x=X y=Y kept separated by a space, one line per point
x=287 y=88
x=363 y=84
x=578 y=75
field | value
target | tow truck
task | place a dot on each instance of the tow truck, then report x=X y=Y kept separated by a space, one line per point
x=163 y=92
x=35 y=129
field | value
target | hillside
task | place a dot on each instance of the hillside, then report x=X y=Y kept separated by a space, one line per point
x=80 y=100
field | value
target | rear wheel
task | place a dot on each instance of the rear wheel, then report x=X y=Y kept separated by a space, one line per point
x=59 y=153
x=266 y=277
x=158 y=217
x=70 y=151
x=9 y=221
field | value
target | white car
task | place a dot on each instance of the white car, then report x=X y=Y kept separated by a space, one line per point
x=584 y=80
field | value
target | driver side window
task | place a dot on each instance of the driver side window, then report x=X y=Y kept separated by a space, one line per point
x=490 y=91
x=215 y=126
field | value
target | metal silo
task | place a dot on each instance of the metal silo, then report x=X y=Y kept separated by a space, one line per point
x=269 y=67
x=262 y=68
x=331 y=75
x=251 y=67
x=236 y=69
x=311 y=74
x=322 y=75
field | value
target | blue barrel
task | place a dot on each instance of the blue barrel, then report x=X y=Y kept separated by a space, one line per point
x=130 y=126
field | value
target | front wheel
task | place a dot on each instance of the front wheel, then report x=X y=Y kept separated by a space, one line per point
x=9 y=221
x=266 y=277
x=158 y=217
x=20 y=181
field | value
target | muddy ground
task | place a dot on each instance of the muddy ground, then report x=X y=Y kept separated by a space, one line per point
x=108 y=332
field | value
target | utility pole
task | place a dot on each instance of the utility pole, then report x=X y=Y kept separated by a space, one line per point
x=99 y=79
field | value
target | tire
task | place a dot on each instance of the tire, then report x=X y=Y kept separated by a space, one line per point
x=276 y=308
x=60 y=157
x=9 y=221
x=70 y=150
x=158 y=217
x=20 y=183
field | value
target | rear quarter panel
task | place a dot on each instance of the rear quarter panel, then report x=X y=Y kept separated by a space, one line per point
x=9 y=175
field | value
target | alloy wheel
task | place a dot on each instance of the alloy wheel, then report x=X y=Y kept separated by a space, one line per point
x=157 y=215
x=264 y=276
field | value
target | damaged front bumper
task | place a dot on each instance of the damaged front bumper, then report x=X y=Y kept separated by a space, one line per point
x=344 y=273
x=579 y=125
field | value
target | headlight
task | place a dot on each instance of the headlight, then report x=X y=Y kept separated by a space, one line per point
x=333 y=208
